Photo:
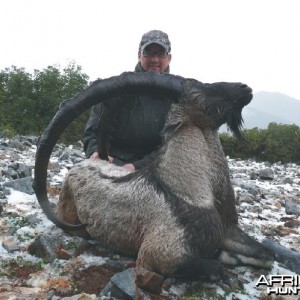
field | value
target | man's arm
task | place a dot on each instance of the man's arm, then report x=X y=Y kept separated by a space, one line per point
x=89 y=138
x=101 y=116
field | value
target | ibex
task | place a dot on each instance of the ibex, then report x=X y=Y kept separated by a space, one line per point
x=178 y=215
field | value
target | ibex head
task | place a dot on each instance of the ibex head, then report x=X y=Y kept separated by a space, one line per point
x=210 y=105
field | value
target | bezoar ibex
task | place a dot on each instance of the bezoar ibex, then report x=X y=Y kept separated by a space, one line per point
x=177 y=215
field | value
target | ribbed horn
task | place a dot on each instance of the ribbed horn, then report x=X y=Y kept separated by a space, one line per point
x=126 y=84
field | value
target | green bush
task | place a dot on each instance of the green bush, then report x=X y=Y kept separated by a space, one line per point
x=279 y=142
x=29 y=101
x=7 y=131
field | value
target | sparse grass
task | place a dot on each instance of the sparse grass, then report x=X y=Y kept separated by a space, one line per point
x=20 y=268
x=71 y=245
x=19 y=222
x=25 y=237
x=201 y=291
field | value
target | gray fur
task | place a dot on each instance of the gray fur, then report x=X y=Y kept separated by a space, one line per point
x=179 y=213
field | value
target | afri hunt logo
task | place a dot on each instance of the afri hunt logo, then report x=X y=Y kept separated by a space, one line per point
x=284 y=284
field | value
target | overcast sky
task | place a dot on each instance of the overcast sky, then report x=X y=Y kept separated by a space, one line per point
x=252 y=41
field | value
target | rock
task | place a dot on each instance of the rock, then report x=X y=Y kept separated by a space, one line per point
x=288 y=180
x=25 y=293
x=121 y=286
x=82 y=296
x=71 y=154
x=3 y=201
x=22 y=184
x=266 y=174
x=33 y=220
x=50 y=247
x=65 y=155
x=22 y=170
x=11 y=244
x=289 y=258
x=253 y=175
x=148 y=281
x=44 y=247
x=292 y=223
x=248 y=198
x=292 y=208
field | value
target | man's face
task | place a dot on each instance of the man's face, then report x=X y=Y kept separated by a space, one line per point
x=154 y=58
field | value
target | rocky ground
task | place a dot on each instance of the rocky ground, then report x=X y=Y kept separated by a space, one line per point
x=39 y=261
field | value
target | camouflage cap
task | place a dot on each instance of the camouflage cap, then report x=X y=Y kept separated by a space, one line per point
x=155 y=37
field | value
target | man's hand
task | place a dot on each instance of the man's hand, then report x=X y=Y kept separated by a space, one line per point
x=129 y=167
x=95 y=155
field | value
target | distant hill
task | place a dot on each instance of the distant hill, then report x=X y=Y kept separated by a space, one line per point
x=267 y=107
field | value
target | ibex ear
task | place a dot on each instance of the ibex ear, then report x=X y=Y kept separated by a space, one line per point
x=170 y=129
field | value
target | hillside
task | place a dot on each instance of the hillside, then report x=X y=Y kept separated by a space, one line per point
x=40 y=261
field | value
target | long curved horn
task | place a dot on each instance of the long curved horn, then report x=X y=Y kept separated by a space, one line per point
x=128 y=83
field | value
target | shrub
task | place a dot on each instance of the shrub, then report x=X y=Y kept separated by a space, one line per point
x=279 y=142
